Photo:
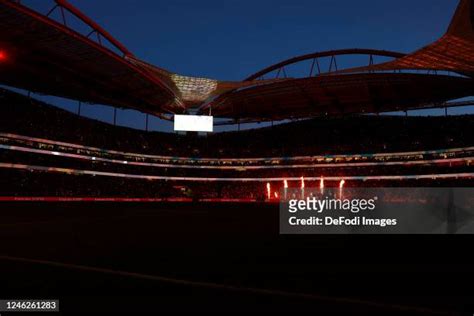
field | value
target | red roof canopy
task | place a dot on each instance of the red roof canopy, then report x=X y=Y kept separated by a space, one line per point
x=46 y=56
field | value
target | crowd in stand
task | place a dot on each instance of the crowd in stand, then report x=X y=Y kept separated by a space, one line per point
x=57 y=161
x=27 y=183
x=347 y=135
x=21 y=115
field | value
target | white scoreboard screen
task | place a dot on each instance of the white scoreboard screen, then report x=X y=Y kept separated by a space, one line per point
x=193 y=123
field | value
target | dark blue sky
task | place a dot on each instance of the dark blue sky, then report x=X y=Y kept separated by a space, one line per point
x=230 y=39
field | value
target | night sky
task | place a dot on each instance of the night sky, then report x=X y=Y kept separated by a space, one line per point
x=229 y=40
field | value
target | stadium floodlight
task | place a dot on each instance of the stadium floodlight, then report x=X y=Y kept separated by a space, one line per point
x=193 y=123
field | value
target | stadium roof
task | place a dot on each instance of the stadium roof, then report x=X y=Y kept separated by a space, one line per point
x=43 y=55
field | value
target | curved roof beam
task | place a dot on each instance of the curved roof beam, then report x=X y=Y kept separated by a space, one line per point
x=454 y=51
x=94 y=26
x=350 y=51
x=113 y=86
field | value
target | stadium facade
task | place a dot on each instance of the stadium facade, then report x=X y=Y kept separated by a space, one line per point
x=107 y=218
x=76 y=156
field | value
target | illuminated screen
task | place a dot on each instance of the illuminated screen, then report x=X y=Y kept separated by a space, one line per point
x=193 y=123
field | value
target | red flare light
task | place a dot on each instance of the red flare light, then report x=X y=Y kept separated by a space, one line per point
x=341 y=184
x=3 y=55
